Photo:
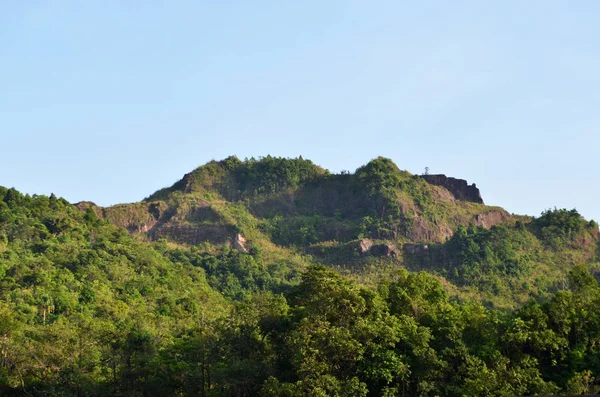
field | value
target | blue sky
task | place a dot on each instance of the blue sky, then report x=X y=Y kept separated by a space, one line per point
x=109 y=101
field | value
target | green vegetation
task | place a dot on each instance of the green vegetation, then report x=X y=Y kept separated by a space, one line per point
x=236 y=275
x=559 y=228
x=297 y=203
x=509 y=264
x=84 y=307
x=273 y=277
x=235 y=179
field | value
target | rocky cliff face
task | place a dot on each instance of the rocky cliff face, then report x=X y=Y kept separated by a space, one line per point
x=190 y=225
x=459 y=188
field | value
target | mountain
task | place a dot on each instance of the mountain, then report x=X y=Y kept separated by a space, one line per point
x=275 y=277
x=378 y=201
x=365 y=224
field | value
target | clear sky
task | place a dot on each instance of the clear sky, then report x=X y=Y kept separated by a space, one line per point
x=109 y=101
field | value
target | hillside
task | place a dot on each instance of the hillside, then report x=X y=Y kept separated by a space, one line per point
x=366 y=224
x=274 y=277
x=83 y=304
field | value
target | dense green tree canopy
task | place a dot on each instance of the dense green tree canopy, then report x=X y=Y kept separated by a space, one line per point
x=88 y=309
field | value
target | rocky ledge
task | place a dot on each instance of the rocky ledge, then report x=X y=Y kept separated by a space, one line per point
x=458 y=187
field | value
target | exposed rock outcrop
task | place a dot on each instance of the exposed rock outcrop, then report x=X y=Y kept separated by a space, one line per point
x=384 y=250
x=490 y=219
x=367 y=247
x=458 y=187
x=423 y=230
x=364 y=246
x=135 y=217
x=442 y=194
x=239 y=243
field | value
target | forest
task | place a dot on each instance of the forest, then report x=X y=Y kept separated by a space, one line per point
x=91 y=304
